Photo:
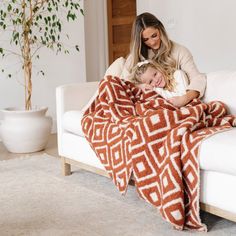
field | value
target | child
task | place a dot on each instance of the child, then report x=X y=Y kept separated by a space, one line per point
x=149 y=75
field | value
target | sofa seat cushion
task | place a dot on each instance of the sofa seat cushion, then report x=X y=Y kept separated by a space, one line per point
x=71 y=122
x=218 y=152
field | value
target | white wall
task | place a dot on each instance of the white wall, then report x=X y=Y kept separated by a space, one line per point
x=96 y=39
x=59 y=69
x=207 y=28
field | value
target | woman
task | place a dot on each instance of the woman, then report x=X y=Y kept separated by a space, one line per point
x=149 y=40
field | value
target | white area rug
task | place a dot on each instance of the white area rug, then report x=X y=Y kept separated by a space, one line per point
x=35 y=199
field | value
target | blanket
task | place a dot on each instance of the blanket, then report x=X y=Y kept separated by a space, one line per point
x=142 y=134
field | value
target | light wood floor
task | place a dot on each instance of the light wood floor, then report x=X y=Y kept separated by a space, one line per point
x=51 y=149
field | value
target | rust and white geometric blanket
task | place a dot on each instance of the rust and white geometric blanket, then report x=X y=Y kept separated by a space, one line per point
x=143 y=134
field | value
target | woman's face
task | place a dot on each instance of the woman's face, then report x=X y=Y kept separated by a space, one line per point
x=151 y=37
x=153 y=77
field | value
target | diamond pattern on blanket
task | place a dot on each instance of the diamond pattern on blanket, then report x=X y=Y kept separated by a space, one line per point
x=143 y=134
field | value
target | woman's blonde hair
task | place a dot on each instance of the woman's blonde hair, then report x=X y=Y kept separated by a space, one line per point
x=139 y=50
x=141 y=67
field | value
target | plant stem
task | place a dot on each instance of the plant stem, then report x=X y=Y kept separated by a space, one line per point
x=27 y=56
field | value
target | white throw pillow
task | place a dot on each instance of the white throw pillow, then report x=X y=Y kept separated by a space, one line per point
x=116 y=68
x=85 y=107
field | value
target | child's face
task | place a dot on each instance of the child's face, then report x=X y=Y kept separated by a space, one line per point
x=153 y=77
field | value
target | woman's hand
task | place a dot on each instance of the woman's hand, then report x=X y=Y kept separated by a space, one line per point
x=145 y=87
x=180 y=101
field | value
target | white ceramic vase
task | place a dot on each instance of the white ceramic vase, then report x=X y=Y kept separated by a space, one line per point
x=25 y=131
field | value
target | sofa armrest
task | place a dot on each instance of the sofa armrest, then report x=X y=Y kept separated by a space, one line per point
x=221 y=86
x=72 y=97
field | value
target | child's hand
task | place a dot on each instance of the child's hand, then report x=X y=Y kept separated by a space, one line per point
x=178 y=101
x=145 y=87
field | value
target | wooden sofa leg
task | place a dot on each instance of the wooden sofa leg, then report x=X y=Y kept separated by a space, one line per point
x=66 y=168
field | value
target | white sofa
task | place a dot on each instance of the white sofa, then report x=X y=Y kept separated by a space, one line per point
x=217 y=154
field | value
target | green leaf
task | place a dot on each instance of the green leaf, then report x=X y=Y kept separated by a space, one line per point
x=59 y=26
x=15 y=36
x=9 y=7
x=42 y=72
x=77 y=47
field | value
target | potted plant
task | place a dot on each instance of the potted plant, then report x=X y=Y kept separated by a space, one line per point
x=32 y=25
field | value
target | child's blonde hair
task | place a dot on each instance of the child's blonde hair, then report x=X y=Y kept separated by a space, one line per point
x=141 y=68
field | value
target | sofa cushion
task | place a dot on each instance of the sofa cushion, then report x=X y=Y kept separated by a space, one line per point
x=221 y=86
x=71 y=122
x=116 y=68
x=218 y=152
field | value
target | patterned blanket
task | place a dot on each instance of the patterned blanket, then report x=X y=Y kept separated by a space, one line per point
x=141 y=133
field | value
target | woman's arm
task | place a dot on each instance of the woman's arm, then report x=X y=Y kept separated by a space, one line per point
x=183 y=100
x=185 y=62
x=197 y=81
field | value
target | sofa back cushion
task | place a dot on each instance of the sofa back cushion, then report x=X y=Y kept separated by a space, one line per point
x=221 y=86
